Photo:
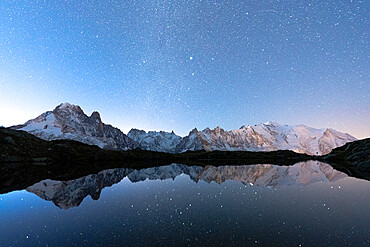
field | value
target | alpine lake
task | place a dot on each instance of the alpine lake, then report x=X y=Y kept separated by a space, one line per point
x=306 y=204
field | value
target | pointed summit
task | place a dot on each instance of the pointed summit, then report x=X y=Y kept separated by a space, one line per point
x=245 y=126
x=272 y=123
x=67 y=105
x=68 y=121
x=68 y=109
x=193 y=131
x=96 y=116
x=268 y=136
x=161 y=141
x=64 y=105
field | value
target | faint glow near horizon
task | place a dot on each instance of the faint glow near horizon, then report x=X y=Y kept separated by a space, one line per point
x=172 y=65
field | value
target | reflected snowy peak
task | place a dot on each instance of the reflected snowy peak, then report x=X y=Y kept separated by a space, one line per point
x=67 y=194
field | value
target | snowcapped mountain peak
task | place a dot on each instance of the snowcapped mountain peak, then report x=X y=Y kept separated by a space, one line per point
x=272 y=123
x=96 y=116
x=67 y=106
x=218 y=129
x=155 y=141
x=268 y=136
x=64 y=105
x=68 y=121
x=267 y=124
x=69 y=111
x=245 y=126
x=194 y=131
x=137 y=130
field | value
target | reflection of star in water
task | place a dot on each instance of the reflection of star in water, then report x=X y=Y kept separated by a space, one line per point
x=191 y=58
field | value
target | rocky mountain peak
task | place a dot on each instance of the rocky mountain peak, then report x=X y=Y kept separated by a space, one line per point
x=194 y=131
x=134 y=131
x=161 y=141
x=68 y=121
x=68 y=110
x=64 y=105
x=272 y=123
x=218 y=129
x=96 y=116
x=68 y=106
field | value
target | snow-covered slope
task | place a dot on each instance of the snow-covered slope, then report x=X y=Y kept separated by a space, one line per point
x=68 y=121
x=266 y=137
x=155 y=141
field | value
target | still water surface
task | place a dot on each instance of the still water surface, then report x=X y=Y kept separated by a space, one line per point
x=308 y=204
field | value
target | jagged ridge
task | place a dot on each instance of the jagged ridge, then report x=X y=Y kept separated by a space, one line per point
x=155 y=141
x=269 y=136
x=68 y=121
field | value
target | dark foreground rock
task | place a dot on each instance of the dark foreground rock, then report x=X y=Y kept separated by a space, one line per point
x=356 y=154
x=352 y=158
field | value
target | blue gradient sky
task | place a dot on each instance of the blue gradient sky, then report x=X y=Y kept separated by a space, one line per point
x=175 y=65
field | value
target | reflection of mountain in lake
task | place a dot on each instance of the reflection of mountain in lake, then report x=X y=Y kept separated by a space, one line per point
x=165 y=172
x=67 y=194
x=300 y=174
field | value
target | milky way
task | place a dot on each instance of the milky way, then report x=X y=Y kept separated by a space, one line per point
x=175 y=65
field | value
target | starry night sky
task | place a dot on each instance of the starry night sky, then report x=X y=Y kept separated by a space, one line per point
x=175 y=65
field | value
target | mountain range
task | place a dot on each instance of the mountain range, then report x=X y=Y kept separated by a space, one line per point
x=68 y=121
